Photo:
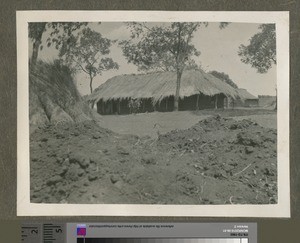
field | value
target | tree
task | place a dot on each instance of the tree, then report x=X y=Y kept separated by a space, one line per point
x=166 y=47
x=261 y=52
x=224 y=77
x=59 y=31
x=86 y=52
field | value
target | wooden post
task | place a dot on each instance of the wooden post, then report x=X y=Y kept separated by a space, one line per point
x=119 y=107
x=197 y=102
x=144 y=101
x=166 y=104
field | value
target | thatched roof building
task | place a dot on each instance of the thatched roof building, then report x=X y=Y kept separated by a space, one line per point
x=246 y=99
x=245 y=95
x=155 y=91
x=267 y=101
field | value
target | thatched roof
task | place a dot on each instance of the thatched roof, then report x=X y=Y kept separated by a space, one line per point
x=245 y=95
x=160 y=85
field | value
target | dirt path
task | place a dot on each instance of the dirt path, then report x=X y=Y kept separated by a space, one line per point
x=152 y=124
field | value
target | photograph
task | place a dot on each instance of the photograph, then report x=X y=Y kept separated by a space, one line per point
x=159 y=112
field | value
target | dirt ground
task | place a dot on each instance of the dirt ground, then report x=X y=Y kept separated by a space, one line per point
x=154 y=123
x=205 y=160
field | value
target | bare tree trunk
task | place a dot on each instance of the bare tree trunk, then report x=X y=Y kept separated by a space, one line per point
x=176 y=98
x=91 y=89
x=275 y=108
x=35 y=52
x=91 y=84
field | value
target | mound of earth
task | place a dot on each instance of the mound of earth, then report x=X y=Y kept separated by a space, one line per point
x=217 y=161
x=53 y=97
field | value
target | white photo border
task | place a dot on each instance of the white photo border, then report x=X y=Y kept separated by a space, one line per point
x=26 y=208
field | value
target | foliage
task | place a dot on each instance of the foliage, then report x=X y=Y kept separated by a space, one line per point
x=261 y=52
x=59 y=32
x=36 y=30
x=86 y=52
x=160 y=48
x=224 y=77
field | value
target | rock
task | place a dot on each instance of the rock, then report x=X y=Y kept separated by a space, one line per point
x=46 y=190
x=82 y=190
x=233 y=126
x=118 y=185
x=217 y=175
x=80 y=172
x=37 y=200
x=97 y=135
x=67 y=161
x=44 y=139
x=86 y=183
x=268 y=172
x=205 y=167
x=62 y=191
x=228 y=168
x=248 y=139
x=93 y=177
x=122 y=151
x=249 y=150
x=37 y=188
x=63 y=170
x=59 y=160
x=114 y=178
x=54 y=180
x=92 y=168
x=60 y=136
x=105 y=151
x=148 y=159
x=84 y=163
x=80 y=159
x=72 y=172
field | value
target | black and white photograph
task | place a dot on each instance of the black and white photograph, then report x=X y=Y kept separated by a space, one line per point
x=162 y=112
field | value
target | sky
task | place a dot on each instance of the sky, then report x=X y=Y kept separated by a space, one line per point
x=218 y=49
